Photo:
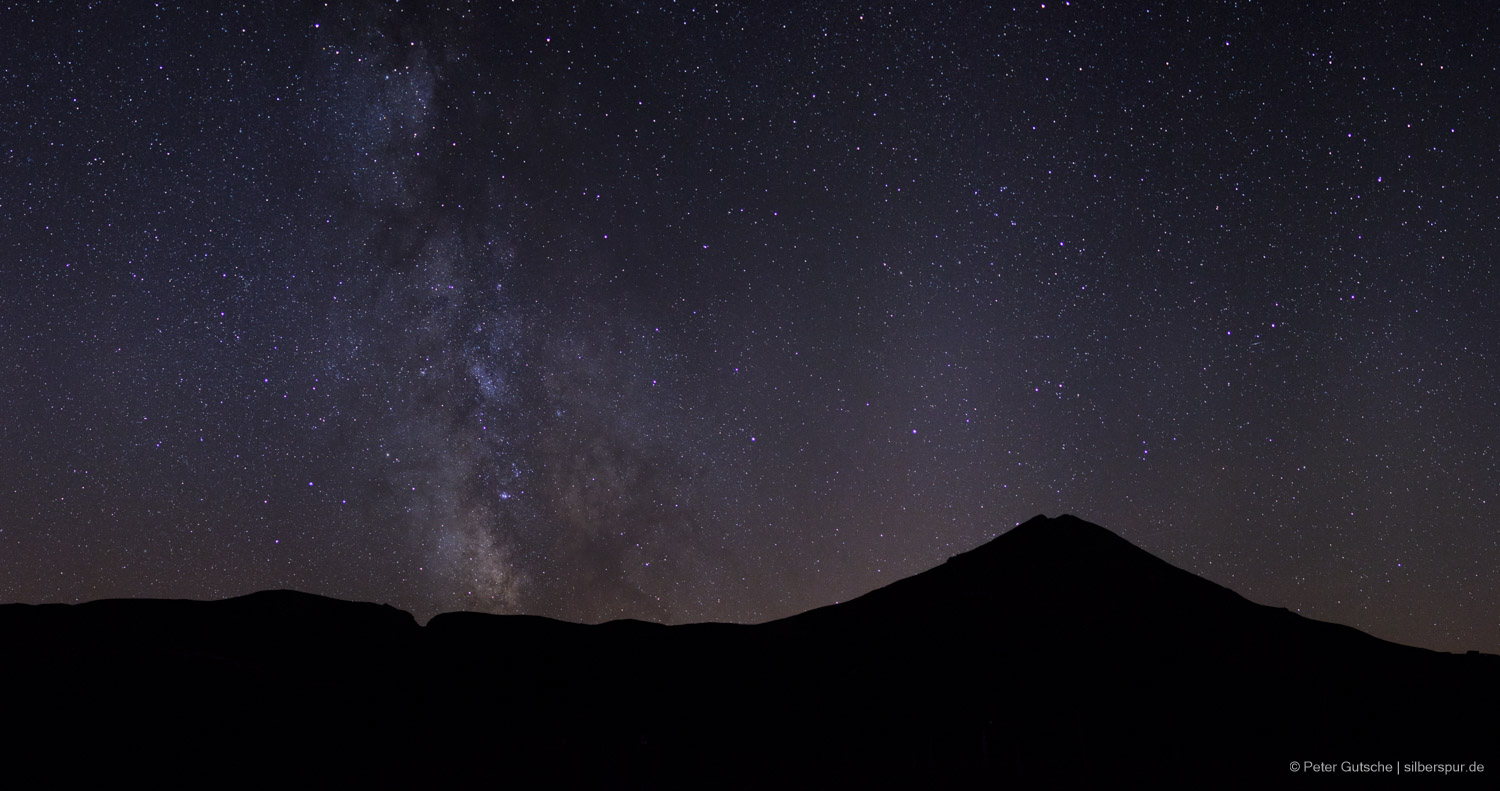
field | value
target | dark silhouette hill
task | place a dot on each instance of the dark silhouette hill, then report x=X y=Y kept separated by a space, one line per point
x=1055 y=654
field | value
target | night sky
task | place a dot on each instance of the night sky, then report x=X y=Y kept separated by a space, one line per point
x=726 y=311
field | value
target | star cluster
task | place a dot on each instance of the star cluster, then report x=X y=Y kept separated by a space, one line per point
x=726 y=311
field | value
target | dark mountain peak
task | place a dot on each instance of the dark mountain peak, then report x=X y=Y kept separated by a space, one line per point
x=1065 y=528
x=1074 y=559
x=1051 y=540
x=1050 y=585
x=1062 y=556
x=1068 y=554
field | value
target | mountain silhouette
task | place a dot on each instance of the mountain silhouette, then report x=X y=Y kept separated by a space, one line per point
x=1056 y=653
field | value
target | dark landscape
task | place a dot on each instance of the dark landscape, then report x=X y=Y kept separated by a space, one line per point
x=1055 y=653
x=643 y=395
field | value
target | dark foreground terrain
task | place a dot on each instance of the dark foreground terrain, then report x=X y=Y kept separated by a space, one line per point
x=1054 y=654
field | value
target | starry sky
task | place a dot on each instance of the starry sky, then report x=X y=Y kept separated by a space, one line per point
x=723 y=311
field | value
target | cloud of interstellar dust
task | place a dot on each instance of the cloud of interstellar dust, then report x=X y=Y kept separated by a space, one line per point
x=514 y=437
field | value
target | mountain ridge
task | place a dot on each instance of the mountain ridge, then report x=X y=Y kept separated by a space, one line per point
x=1056 y=650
